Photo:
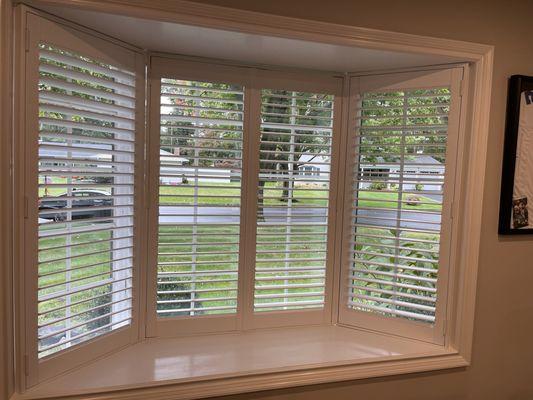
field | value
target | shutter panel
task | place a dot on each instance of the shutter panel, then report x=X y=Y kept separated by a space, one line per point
x=86 y=198
x=399 y=238
x=293 y=198
x=200 y=174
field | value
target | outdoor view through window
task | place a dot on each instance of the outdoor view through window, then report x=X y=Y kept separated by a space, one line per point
x=200 y=179
x=292 y=205
x=85 y=175
x=231 y=236
x=398 y=197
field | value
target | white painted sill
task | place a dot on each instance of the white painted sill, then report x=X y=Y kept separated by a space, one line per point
x=211 y=365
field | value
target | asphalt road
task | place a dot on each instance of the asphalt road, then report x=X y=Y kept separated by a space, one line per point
x=171 y=215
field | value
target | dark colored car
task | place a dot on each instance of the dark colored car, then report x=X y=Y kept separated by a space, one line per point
x=85 y=198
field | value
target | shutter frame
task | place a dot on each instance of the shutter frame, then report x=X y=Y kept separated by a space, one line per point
x=391 y=82
x=106 y=51
x=183 y=70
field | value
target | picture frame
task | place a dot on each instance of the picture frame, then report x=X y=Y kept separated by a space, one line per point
x=516 y=197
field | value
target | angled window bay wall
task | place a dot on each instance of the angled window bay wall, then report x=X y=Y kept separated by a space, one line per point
x=86 y=198
x=81 y=186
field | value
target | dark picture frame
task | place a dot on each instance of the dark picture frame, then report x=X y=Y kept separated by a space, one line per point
x=514 y=216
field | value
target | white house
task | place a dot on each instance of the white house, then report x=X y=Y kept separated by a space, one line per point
x=313 y=167
x=419 y=169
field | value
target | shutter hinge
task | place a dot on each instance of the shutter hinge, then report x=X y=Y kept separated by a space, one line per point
x=461 y=87
x=26 y=207
x=26 y=365
x=444 y=326
x=27 y=40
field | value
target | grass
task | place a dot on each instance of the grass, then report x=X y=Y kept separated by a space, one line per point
x=176 y=245
x=305 y=195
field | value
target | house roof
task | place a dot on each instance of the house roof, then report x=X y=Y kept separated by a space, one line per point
x=61 y=152
x=168 y=158
x=312 y=158
x=413 y=159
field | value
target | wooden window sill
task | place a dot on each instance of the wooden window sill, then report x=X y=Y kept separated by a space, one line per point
x=222 y=364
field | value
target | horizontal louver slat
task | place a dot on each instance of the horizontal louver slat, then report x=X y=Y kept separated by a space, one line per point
x=292 y=209
x=398 y=194
x=200 y=174
x=86 y=186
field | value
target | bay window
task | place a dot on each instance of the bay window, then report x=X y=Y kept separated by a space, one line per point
x=175 y=197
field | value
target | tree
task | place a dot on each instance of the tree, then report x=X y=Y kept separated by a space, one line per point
x=285 y=136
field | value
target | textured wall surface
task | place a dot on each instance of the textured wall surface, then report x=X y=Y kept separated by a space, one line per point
x=5 y=275
x=503 y=347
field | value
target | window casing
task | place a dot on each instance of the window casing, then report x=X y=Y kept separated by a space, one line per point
x=246 y=309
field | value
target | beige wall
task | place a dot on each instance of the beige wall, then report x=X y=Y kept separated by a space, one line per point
x=502 y=366
x=5 y=274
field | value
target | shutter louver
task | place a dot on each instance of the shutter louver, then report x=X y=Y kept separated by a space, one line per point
x=293 y=197
x=86 y=198
x=398 y=196
x=201 y=138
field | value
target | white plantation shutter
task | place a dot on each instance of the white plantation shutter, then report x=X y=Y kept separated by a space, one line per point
x=295 y=154
x=86 y=188
x=200 y=173
x=402 y=161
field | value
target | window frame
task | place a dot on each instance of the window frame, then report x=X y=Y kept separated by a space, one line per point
x=475 y=124
x=316 y=83
x=163 y=67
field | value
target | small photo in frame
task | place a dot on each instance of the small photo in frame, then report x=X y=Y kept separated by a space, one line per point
x=516 y=199
x=520 y=213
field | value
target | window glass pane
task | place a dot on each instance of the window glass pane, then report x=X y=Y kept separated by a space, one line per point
x=199 y=197
x=293 y=194
x=398 y=195
x=86 y=187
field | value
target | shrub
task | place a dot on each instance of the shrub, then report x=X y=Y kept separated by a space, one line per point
x=412 y=200
x=419 y=187
x=378 y=186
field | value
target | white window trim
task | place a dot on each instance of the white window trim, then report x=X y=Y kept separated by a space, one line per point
x=461 y=316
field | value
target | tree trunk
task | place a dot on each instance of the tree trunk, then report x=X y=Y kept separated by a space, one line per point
x=260 y=201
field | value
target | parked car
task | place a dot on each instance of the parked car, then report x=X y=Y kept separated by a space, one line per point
x=84 y=198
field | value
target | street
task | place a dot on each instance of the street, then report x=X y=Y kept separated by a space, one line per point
x=176 y=215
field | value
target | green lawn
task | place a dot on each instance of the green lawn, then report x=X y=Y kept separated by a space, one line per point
x=95 y=249
x=304 y=195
